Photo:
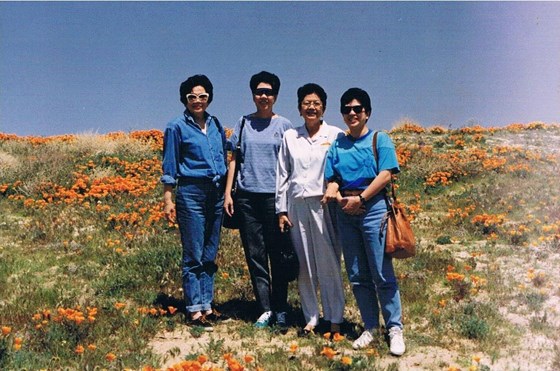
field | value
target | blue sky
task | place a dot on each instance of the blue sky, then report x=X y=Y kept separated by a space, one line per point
x=71 y=67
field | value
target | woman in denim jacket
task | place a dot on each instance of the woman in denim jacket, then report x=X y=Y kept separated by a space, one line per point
x=194 y=164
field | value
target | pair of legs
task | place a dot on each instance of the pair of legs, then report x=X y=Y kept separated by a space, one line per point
x=262 y=243
x=318 y=252
x=199 y=205
x=369 y=269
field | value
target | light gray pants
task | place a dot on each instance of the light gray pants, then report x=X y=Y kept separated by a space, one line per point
x=318 y=251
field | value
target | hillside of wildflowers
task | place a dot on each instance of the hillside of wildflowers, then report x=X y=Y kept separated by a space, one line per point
x=90 y=278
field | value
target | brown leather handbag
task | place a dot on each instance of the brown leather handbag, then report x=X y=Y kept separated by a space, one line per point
x=399 y=240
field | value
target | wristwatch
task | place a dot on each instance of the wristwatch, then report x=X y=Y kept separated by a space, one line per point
x=362 y=199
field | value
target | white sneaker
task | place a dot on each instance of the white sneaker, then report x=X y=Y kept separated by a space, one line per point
x=363 y=341
x=396 y=341
x=263 y=320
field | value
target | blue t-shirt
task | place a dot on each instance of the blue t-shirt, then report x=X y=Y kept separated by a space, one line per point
x=351 y=162
x=260 y=145
x=188 y=152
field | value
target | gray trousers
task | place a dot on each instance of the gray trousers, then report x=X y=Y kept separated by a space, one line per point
x=318 y=251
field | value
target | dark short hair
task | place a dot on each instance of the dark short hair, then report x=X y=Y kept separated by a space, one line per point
x=266 y=77
x=358 y=94
x=196 y=80
x=311 y=88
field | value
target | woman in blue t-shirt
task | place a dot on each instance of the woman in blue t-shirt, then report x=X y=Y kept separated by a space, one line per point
x=256 y=184
x=358 y=183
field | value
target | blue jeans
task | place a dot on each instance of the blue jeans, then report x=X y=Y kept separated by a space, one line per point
x=369 y=269
x=199 y=205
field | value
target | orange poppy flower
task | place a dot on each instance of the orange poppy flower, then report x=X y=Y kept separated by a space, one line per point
x=248 y=358
x=338 y=337
x=328 y=352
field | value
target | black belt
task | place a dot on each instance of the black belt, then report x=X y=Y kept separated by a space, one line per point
x=217 y=181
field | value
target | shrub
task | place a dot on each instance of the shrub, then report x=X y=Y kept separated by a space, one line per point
x=443 y=240
x=473 y=327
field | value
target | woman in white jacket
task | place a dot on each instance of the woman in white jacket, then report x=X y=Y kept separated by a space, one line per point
x=299 y=190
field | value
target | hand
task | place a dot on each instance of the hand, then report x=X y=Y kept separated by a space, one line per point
x=352 y=205
x=228 y=205
x=331 y=194
x=284 y=222
x=170 y=212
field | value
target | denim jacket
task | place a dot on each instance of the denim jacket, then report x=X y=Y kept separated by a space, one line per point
x=190 y=153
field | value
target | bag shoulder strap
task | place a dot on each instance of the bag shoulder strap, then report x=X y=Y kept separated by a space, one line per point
x=238 y=156
x=219 y=125
x=374 y=145
x=238 y=146
x=376 y=156
x=223 y=134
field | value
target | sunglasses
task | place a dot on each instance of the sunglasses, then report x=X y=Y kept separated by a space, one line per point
x=203 y=97
x=345 y=110
x=265 y=91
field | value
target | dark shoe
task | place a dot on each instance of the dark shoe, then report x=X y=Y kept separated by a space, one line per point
x=201 y=322
x=306 y=332
x=335 y=328
x=216 y=316
x=282 y=322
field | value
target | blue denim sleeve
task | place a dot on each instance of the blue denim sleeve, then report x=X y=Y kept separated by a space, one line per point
x=170 y=163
